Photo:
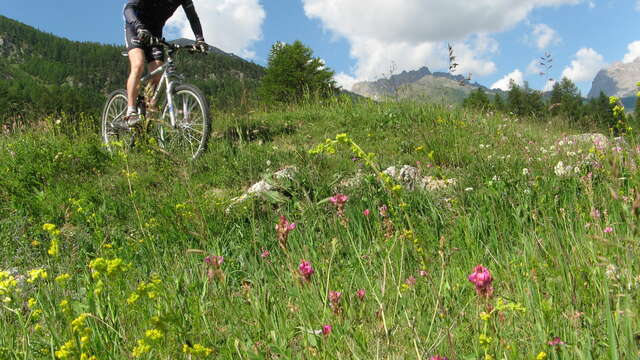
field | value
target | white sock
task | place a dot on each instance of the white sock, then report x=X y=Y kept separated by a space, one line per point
x=131 y=110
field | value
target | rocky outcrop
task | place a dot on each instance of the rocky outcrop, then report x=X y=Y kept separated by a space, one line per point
x=619 y=80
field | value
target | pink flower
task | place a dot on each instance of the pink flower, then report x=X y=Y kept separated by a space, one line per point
x=339 y=199
x=438 y=357
x=306 y=270
x=326 y=330
x=410 y=281
x=367 y=212
x=383 y=210
x=424 y=273
x=556 y=341
x=283 y=228
x=334 y=297
x=482 y=279
x=608 y=229
x=595 y=214
x=215 y=261
x=360 y=294
x=265 y=254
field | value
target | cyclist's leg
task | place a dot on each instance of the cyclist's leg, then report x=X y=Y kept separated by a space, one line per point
x=136 y=60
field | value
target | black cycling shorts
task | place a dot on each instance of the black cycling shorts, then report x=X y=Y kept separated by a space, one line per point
x=151 y=53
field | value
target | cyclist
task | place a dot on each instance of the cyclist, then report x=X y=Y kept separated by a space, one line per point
x=144 y=20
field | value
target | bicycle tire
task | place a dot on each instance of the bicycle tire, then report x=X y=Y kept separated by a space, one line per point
x=114 y=111
x=180 y=137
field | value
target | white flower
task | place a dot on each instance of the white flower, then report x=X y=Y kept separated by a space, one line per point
x=561 y=170
x=468 y=189
x=525 y=171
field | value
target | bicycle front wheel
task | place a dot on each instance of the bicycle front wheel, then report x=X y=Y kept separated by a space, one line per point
x=114 y=133
x=189 y=132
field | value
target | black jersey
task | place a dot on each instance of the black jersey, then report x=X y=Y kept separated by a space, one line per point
x=153 y=14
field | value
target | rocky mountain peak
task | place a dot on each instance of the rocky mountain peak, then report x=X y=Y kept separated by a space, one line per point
x=619 y=80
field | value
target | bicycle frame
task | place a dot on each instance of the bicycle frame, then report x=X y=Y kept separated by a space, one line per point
x=167 y=80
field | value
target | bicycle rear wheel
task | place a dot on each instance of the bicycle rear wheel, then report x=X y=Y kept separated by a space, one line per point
x=190 y=133
x=114 y=132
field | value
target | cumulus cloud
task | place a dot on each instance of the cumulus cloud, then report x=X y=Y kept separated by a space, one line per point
x=231 y=25
x=414 y=33
x=585 y=66
x=516 y=77
x=545 y=36
x=634 y=52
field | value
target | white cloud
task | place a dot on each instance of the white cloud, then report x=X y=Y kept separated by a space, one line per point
x=534 y=67
x=634 y=52
x=586 y=65
x=231 y=25
x=414 y=33
x=516 y=76
x=545 y=36
x=548 y=86
x=638 y=5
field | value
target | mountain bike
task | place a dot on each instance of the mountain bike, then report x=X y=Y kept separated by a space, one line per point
x=178 y=117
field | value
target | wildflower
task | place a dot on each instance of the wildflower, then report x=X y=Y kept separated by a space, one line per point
x=339 y=200
x=334 y=299
x=265 y=254
x=608 y=229
x=485 y=340
x=66 y=350
x=360 y=294
x=366 y=212
x=326 y=330
x=423 y=273
x=485 y=316
x=525 y=171
x=214 y=260
x=31 y=303
x=438 y=357
x=141 y=349
x=196 y=350
x=556 y=341
x=595 y=214
x=36 y=274
x=541 y=356
x=154 y=334
x=306 y=270
x=54 y=247
x=283 y=228
x=482 y=279
x=410 y=281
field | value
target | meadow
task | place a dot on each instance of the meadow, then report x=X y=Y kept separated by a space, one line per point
x=523 y=244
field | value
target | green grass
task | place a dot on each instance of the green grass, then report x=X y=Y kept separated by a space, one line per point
x=162 y=215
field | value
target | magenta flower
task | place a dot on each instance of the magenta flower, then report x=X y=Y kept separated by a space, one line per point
x=283 y=228
x=265 y=254
x=360 y=294
x=424 y=273
x=306 y=270
x=482 y=279
x=339 y=199
x=556 y=341
x=367 y=212
x=326 y=330
x=213 y=260
x=608 y=229
x=438 y=357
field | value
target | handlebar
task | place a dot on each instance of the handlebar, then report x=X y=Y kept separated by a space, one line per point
x=176 y=47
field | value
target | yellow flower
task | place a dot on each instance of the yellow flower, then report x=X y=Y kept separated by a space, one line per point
x=35 y=243
x=484 y=340
x=133 y=298
x=66 y=350
x=78 y=323
x=541 y=356
x=420 y=148
x=396 y=188
x=62 y=279
x=36 y=274
x=54 y=248
x=48 y=227
x=485 y=316
x=196 y=350
x=141 y=349
x=154 y=334
x=31 y=303
x=64 y=306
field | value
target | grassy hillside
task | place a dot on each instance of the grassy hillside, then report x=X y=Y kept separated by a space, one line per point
x=45 y=74
x=117 y=256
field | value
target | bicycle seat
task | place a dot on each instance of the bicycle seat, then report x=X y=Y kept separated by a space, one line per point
x=125 y=53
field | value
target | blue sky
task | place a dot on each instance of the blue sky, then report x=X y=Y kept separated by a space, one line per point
x=361 y=39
